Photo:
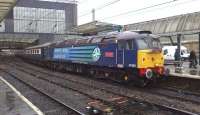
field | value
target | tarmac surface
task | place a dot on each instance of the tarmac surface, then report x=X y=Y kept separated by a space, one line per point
x=12 y=103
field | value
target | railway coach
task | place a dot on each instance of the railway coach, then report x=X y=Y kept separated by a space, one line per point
x=124 y=56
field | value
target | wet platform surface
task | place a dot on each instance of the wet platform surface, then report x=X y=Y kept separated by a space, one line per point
x=11 y=103
x=184 y=71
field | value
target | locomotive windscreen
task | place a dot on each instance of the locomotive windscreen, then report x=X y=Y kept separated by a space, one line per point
x=148 y=43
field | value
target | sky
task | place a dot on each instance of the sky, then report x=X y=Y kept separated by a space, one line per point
x=132 y=11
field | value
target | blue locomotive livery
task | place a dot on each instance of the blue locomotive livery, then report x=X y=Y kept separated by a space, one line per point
x=131 y=56
x=81 y=54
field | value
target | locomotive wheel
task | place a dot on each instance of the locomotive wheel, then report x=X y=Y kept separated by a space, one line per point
x=91 y=73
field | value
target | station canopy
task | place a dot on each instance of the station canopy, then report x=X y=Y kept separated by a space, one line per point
x=5 y=7
x=19 y=40
x=180 y=24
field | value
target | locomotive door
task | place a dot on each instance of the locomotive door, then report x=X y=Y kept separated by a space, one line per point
x=46 y=53
x=130 y=54
x=120 y=53
x=126 y=55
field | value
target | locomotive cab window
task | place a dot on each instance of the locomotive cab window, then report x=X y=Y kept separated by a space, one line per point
x=142 y=44
x=121 y=45
x=129 y=44
x=156 y=43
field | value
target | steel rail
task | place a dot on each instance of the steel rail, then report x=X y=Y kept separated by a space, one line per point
x=165 y=107
x=37 y=89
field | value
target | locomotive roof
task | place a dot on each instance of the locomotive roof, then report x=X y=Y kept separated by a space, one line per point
x=108 y=38
x=135 y=35
x=129 y=35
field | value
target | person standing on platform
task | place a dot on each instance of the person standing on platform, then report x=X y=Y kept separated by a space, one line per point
x=176 y=55
x=193 y=60
x=177 y=58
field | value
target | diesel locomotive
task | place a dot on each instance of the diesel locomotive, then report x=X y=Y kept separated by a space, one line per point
x=130 y=56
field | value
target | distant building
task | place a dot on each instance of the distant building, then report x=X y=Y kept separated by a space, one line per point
x=41 y=16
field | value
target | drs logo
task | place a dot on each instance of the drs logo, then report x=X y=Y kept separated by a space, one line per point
x=96 y=54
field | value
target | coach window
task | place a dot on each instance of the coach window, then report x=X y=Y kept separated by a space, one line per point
x=129 y=44
x=121 y=45
x=39 y=51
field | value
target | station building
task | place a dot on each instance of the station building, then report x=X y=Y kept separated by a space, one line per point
x=38 y=22
x=41 y=16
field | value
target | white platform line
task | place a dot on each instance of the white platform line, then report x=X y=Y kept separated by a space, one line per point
x=185 y=75
x=36 y=109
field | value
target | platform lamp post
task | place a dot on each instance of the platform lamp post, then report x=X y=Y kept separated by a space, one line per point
x=179 y=46
x=199 y=48
x=93 y=14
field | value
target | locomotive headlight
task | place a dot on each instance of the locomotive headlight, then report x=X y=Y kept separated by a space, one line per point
x=149 y=73
x=156 y=64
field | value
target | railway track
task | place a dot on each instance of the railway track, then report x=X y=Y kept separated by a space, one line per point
x=176 y=94
x=69 y=108
x=114 y=100
x=164 y=107
x=184 y=85
x=46 y=104
x=164 y=91
x=185 y=92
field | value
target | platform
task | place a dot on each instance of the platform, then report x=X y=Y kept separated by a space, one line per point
x=184 y=71
x=13 y=103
